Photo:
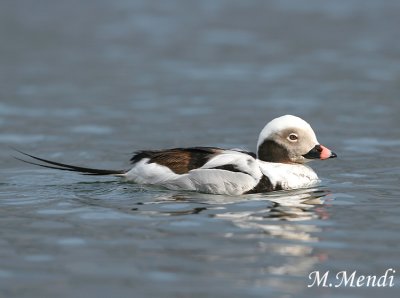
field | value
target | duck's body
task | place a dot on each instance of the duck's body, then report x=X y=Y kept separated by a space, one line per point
x=216 y=170
x=284 y=145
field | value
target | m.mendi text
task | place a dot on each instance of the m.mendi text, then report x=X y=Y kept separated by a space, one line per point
x=353 y=279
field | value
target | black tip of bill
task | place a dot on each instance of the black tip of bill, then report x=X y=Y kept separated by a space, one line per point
x=333 y=155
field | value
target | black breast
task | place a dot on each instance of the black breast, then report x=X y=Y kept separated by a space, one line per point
x=264 y=185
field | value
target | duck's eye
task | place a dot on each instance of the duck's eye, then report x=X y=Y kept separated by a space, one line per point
x=293 y=137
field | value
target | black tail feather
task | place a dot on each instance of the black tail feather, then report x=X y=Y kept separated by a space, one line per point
x=66 y=167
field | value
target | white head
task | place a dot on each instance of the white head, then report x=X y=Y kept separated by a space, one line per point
x=290 y=139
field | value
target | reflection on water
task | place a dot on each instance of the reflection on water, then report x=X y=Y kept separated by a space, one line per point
x=282 y=225
x=295 y=205
x=296 y=237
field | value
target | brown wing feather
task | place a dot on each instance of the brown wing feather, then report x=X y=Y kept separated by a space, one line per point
x=179 y=160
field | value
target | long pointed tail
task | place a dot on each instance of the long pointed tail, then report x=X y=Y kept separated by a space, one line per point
x=66 y=167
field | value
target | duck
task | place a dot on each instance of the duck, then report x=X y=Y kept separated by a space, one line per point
x=285 y=146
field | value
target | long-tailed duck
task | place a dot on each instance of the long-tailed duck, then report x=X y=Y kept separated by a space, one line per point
x=284 y=146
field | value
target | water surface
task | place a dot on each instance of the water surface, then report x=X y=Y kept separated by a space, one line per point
x=91 y=83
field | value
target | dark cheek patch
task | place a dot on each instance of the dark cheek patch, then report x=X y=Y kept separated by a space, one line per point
x=270 y=151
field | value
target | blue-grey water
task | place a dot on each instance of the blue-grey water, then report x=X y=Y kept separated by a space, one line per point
x=89 y=82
